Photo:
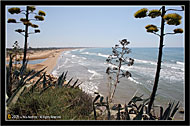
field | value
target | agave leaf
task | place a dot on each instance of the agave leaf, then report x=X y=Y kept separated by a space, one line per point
x=101 y=99
x=45 y=89
x=44 y=80
x=96 y=98
x=140 y=114
x=135 y=99
x=69 y=82
x=74 y=83
x=36 y=83
x=78 y=85
x=36 y=74
x=175 y=110
x=28 y=74
x=146 y=101
x=139 y=106
x=60 y=80
x=167 y=112
x=127 y=117
x=161 y=112
x=64 y=78
x=14 y=94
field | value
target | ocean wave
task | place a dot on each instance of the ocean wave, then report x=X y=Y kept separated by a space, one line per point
x=67 y=52
x=89 y=87
x=83 y=58
x=54 y=73
x=180 y=63
x=144 y=61
x=94 y=73
x=102 y=55
x=73 y=56
x=87 y=53
x=81 y=50
x=133 y=80
x=96 y=54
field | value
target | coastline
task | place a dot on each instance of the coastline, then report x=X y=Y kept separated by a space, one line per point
x=51 y=57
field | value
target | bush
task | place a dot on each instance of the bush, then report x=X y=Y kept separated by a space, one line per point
x=67 y=103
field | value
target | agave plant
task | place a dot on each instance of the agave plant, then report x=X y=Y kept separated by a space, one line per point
x=19 y=78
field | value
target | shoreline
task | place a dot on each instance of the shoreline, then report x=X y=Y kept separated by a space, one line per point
x=51 y=57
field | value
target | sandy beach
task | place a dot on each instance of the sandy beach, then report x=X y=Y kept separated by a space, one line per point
x=51 y=57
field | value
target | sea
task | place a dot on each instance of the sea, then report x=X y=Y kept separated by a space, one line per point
x=89 y=66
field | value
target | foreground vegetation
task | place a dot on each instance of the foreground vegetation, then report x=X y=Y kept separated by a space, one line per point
x=63 y=103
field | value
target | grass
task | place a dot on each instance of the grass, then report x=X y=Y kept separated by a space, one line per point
x=66 y=103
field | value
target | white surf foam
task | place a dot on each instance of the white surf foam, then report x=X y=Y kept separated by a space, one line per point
x=94 y=73
x=181 y=63
x=102 y=55
x=133 y=80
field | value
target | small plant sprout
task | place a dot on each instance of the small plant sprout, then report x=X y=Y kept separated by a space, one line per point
x=117 y=60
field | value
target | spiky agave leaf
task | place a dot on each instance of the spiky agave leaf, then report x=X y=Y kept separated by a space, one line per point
x=127 y=117
x=60 y=80
x=14 y=10
x=44 y=80
x=101 y=99
x=167 y=111
x=135 y=99
x=33 y=87
x=45 y=89
x=141 y=13
x=175 y=110
x=36 y=74
x=140 y=114
x=74 y=83
x=39 y=18
x=96 y=98
x=68 y=82
x=10 y=20
x=41 y=13
x=178 y=30
x=154 y=13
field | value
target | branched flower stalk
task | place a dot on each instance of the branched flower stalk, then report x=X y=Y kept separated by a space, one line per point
x=116 y=60
x=26 y=21
x=170 y=19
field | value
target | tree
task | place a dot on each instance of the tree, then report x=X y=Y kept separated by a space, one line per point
x=117 y=59
x=26 y=21
x=170 y=19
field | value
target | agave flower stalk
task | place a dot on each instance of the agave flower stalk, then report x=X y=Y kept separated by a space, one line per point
x=170 y=19
x=26 y=21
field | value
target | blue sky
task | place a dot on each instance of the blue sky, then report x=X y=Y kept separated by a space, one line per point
x=92 y=26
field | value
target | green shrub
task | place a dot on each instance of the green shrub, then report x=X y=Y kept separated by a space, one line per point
x=67 y=103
